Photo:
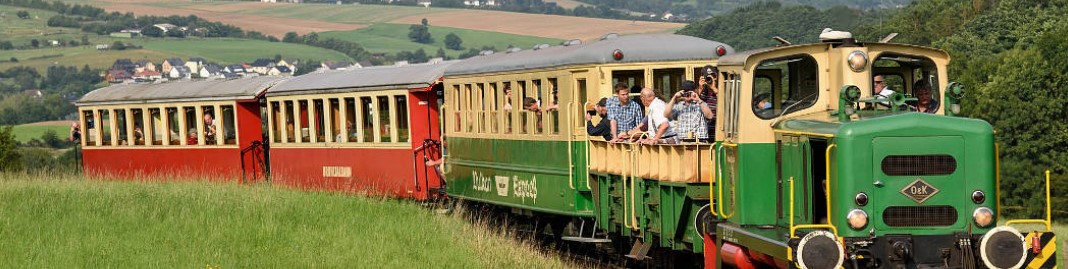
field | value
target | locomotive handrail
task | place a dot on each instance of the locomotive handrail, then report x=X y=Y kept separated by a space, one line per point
x=1046 y=221
x=793 y=228
x=997 y=182
x=627 y=174
x=711 y=176
x=633 y=163
x=720 y=186
x=827 y=183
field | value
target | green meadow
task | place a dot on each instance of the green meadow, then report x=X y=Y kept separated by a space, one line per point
x=392 y=38
x=351 y=14
x=58 y=221
x=25 y=132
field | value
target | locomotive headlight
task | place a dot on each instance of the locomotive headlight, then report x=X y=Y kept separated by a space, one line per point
x=978 y=197
x=857 y=218
x=857 y=60
x=983 y=216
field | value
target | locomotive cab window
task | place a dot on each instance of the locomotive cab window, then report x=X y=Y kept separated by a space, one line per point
x=784 y=85
x=914 y=76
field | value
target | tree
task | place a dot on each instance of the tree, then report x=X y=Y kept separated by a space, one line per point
x=51 y=139
x=291 y=37
x=6 y=45
x=14 y=60
x=26 y=14
x=118 y=45
x=453 y=42
x=425 y=22
x=85 y=40
x=441 y=54
x=34 y=43
x=10 y=160
x=150 y=31
x=420 y=34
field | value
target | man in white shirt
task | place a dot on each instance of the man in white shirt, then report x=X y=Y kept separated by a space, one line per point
x=882 y=90
x=660 y=131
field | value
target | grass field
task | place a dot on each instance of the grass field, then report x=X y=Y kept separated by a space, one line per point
x=65 y=222
x=25 y=132
x=392 y=38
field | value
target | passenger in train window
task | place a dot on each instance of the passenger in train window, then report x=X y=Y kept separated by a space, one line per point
x=507 y=98
x=926 y=102
x=553 y=106
x=192 y=137
x=659 y=128
x=209 y=128
x=691 y=112
x=709 y=93
x=75 y=133
x=139 y=136
x=532 y=105
x=603 y=128
x=623 y=114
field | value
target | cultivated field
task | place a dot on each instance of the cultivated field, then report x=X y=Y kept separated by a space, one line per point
x=392 y=38
x=279 y=18
x=53 y=221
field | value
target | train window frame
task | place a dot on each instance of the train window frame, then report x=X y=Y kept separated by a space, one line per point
x=138 y=126
x=316 y=120
x=208 y=131
x=157 y=126
x=929 y=69
x=122 y=125
x=494 y=109
x=522 y=120
x=173 y=125
x=275 y=114
x=552 y=110
x=401 y=109
x=508 y=118
x=106 y=134
x=334 y=128
x=228 y=130
x=632 y=79
x=582 y=91
x=666 y=89
x=538 y=117
x=367 y=120
x=184 y=115
x=88 y=124
x=384 y=113
x=780 y=107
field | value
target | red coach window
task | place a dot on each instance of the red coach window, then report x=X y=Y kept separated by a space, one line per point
x=402 y=118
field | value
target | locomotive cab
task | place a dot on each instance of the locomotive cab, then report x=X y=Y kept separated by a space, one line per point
x=822 y=169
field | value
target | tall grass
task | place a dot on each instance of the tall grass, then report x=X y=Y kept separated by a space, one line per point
x=62 y=221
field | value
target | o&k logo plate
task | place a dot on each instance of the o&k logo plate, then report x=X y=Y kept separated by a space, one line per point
x=919 y=190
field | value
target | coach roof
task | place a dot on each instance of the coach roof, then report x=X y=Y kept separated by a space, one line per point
x=363 y=79
x=636 y=48
x=182 y=91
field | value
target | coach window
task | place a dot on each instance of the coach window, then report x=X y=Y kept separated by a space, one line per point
x=367 y=115
x=467 y=106
x=305 y=126
x=580 y=119
x=156 y=130
x=506 y=105
x=492 y=108
x=667 y=81
x=350 y=120
x=483 y=108
x=210 y=120
x=784 y=85
x=319 y=121
x=552 y=110
x=455 y=107
x=276 y=115
x=138 y=126
x=189 y=114
x=384 y=124
x=89 y=128
x=105 y=127
x=174 y=136
x=120 y=127
x=336 y=134
x=229 y=134
x=290 y=125
x=539 y=106
x=403 y=132
x=630 y=77
x=524 y=96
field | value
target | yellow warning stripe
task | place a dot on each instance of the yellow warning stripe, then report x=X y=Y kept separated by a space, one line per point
x=1049 y=248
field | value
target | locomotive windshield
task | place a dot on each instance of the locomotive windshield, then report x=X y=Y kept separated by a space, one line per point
x=913 y=76
x=784 y=85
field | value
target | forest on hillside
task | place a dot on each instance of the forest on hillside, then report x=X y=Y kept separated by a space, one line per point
x=1010 y=54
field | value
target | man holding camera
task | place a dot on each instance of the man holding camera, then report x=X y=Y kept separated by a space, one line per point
x=691 y=112
x=603 y=128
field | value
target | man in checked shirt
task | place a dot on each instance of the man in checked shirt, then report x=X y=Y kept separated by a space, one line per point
x=623 y=114
x=691 y=112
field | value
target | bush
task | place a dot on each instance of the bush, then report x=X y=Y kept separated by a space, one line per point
x=10 y=159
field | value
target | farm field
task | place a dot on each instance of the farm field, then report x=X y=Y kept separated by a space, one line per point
x=58 y=221
x=25 y=132
x=392 y=38
x=279 y=18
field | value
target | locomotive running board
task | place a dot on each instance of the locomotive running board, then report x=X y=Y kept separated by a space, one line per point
x=586 y=239
x=639 y=250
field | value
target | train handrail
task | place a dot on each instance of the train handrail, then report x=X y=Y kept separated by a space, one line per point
x=794 y=228
x=570 y=159
x=827 y=183
x=997 y=182
x=1047 y=221
x=254 y=147
x=445 y=167
x=720 y=186
x=711 y=177
x=627 y=172
x=588 y=145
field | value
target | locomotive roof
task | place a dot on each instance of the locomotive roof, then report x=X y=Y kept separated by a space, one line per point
x=636 y=48
x=183 y=91
x=739 y=58
x=363 y=79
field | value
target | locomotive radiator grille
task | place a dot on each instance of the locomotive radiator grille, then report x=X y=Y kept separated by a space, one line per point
x=918 y=165
x=919 y=216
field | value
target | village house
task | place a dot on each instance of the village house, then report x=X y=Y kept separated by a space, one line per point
x=210 y=71
x=124 y=65
x=180 y=72
x=165 y=27
x=280 y=70
x=117 y=76
x=143 y=64
x=260 y=66
x=234 y=69
x=332 y=65
x=194 y=63
x=169 y=64
x=147 y=75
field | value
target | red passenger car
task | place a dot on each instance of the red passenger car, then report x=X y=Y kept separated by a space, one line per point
x=178 y=129
x=362 y=130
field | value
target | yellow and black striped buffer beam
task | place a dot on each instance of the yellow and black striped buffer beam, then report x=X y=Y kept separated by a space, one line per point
x=1044 y=254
